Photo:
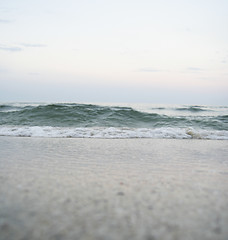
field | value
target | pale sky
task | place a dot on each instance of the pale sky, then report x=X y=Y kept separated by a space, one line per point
x=152 y=51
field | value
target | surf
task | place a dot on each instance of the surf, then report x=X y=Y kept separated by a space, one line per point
x=113 y=120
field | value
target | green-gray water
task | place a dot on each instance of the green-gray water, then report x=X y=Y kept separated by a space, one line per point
x=113 y=120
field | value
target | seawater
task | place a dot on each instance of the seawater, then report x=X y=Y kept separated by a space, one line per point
x=80 y=120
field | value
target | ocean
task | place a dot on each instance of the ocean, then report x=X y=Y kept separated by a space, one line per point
x=78 y=120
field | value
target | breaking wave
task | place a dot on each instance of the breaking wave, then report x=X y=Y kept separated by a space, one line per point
x=97 y=121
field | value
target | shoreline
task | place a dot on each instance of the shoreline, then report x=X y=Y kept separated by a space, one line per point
x=69 y=188
x=117 y=138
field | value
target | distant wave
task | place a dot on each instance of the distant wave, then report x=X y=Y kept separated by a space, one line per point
x=2 y=107
x=191 y=109
x=158 y=108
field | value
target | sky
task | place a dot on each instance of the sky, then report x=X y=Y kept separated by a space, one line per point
x=152 y=51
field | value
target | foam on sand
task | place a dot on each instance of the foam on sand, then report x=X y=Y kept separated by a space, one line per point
x=112 y=132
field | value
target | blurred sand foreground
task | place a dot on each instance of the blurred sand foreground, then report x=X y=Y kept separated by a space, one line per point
x=116 y=189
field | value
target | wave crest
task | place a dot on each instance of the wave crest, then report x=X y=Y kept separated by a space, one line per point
x=91 y=116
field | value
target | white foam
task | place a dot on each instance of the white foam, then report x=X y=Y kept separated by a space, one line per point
x=111 y=132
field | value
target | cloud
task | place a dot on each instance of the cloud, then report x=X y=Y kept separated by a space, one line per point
x=148 y=69
x=5 y=21
x=225 y=59
x=32 y=45
x=20 y=47
x=34 y=73
x=195 y=69
x=76 y=49
x=3 y=70
x=11 y=49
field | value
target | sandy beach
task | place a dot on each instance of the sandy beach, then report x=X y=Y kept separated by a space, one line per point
x=114 y=189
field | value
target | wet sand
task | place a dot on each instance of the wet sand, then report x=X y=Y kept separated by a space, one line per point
x=113 y=189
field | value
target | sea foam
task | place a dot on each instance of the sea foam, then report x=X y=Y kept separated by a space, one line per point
x=112 y=132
